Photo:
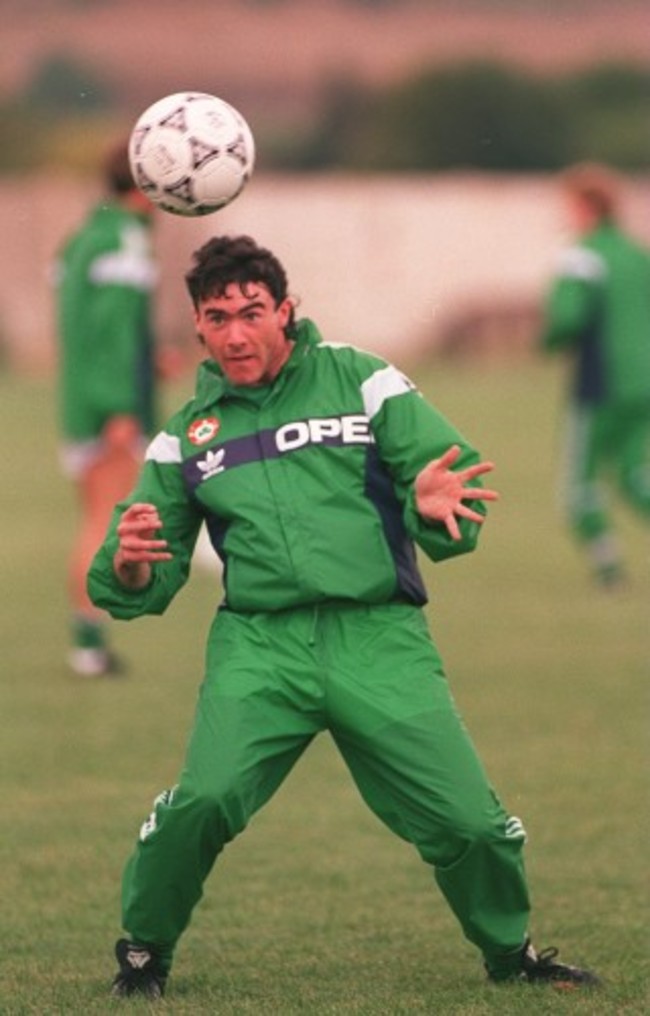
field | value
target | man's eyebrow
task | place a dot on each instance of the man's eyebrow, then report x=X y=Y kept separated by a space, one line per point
x=219 y=312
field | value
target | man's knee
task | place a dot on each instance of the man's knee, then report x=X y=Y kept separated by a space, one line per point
x=215 y=809
x=464 y=833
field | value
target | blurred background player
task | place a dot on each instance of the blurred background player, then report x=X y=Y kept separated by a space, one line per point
x=598 y=311
x=105 y=279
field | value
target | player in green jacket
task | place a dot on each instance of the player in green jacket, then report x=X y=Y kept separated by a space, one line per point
x=317 y=468
x=598 y=312
x=105 y=279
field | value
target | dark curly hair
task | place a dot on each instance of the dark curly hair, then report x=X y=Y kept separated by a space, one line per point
x=117 y=170
x=225 y=260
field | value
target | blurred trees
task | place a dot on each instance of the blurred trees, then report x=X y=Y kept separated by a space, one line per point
x=61 y=117
x=483 y=115
x=611 y=102
x=477 y=115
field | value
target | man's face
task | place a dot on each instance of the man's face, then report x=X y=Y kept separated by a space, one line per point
x=580 y=214
x=244 y=333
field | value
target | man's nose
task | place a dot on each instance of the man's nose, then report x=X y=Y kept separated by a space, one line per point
x=235 y=334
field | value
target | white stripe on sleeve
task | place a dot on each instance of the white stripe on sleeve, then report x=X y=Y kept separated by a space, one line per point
x=383 y=384
x=131 y=265
x=580 y=263
x=165 y=448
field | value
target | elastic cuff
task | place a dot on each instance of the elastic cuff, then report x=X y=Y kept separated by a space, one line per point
x=501 y=966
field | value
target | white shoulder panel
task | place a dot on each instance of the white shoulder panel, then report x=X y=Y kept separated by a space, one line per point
x=579 y=263
x=165 y=448
x=132 y=265
x=383 y=384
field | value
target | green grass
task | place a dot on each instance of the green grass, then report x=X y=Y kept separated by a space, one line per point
x=317 y=908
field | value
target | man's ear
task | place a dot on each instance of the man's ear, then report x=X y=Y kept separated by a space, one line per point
x=285 y=310
x=196 y=317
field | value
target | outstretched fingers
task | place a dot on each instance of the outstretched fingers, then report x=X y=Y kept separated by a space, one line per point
x=480 y=494
x=469 y=513
x=478 y=469
x=447 y=458
x=441 y=492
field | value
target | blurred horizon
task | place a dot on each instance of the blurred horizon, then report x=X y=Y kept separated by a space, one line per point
x=319 y=81
x=407 y=144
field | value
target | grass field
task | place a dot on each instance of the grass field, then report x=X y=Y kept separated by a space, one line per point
x=318 y=909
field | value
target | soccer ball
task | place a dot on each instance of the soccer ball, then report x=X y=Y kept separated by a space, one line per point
x=191 y=153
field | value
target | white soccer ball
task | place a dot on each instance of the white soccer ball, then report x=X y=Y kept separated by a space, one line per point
x=191 y=153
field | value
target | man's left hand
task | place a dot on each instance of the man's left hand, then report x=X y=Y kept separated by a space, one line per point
x=440 y=492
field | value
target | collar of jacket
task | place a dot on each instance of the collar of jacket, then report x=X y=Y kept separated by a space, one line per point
x=606 y=227
x=211 y=385
x=111 y=208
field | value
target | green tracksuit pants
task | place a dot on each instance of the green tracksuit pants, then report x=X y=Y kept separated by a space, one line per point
x=605 y=443
x=373 y=678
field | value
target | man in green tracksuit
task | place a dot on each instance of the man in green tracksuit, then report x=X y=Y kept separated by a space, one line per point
x=105 y=276
x=315 y=468
x=598 y=310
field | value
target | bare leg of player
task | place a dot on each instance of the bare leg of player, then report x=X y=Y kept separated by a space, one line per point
x=102 y=485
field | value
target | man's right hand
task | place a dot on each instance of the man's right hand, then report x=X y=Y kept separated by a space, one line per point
x=139 y=547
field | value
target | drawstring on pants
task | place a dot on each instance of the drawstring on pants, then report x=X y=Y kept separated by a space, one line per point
x=314 y=627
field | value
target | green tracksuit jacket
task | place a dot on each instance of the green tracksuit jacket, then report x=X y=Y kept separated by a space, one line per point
x=105 y=277
x=598 y=309
x=306 y=489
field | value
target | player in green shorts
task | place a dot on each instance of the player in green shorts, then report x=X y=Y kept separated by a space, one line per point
x=105 y=279
x=317 y=468
x=597 y=311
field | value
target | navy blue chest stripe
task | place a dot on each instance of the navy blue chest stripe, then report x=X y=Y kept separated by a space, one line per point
x=272 y=443
x=381 y=492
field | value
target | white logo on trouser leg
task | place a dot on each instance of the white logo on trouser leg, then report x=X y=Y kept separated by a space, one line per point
x=149 y=826
x=515 y=829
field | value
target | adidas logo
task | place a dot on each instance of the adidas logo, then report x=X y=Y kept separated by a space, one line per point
x=212 y=463
x=515 y=829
